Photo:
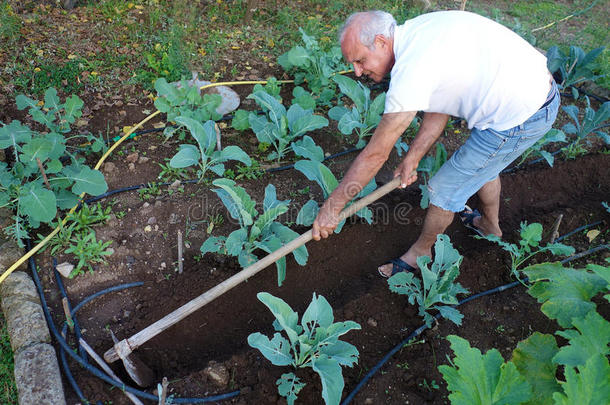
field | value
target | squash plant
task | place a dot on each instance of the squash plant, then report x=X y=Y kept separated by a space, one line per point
x=313 y=343
x=437 y=289
x=23 y=187
x=541 y=371
x=205 y=155
x=364 y=116
x=315 y=66
x=316 y=171
x=256 y=230
x=278 y=127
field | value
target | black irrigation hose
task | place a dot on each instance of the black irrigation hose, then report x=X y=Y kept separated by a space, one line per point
x=559 y=239
x=422 y=328
x=95 y=371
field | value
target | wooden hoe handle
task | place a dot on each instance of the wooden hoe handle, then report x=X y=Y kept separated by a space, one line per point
x=126 y=346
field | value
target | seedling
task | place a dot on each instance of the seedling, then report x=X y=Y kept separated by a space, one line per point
x=87 y=250
x=528 y=247
x=553 y=136
x=592 y=123
x=278 y=127
x=169 y=173
x=204 y=156
x=256 y=231
x=363 y=116
x=151 y=191
x=314 y=343
x=438 y=289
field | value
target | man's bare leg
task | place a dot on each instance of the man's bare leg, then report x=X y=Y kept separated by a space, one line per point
x=489 y=197
x=437 y=220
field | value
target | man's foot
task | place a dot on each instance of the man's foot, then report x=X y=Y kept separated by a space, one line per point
x=410 y=259
x=473 y=220
x=397 y=266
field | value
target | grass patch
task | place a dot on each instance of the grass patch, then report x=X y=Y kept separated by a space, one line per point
x=10 y=24
x=8 y=389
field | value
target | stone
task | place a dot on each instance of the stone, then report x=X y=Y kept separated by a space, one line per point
x=372 y=322
x=217 y=373
x=131 y=167
x=65 y=269
x=152 y=221
x=43 y=386
x=25 y=322
x=109 y=167
x=143 y=159
x=132 y=157
x=175 y=185
x=148 y=228
x=10 y=253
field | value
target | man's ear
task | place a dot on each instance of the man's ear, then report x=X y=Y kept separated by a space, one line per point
x=380 y=41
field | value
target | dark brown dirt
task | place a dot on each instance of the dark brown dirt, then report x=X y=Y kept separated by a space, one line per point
x=341 y=268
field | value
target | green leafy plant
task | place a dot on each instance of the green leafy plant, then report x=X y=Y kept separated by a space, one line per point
x=204 y=155
x=437 y=289
x=429 y=165
x=363 y=116
x=169 y=173
x=313 y=343
x=481 y=379
x=592 y=123
x=316 y=171
x=10 y=23
x=22 y=186
x=167 y=59
x=278 y=127
x=256 y=231
x=528 y=247
x=575 y=67
x=151 y=191
x=533 y=376
x=185 y=101
x=315 y=66
x=87 y=250
x=553 y=136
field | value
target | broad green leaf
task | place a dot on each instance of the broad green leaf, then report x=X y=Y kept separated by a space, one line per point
x=73 y=106
x=337 y=112
x=51 y=100
x=298 y=56
x=591 y=337
x=338 y=329
x=450 y=313
x=351 y=88
x=308 y=149
x=66 y=199
x=271 y=200
x=331 y=377
x=559 y=249
x=266 y=219
x=289 y=387
x=286 y=317
x=482 y=379
x=204 y=134
x=532 y=357
x=212 y=244
x=58 y=145
x=264 y=130
x=167 y=90
x=286 y=235
x=590 y=386
x=342 y=352
x=376 y=108
x=319 y=173
x=233 y=152
x=235 y=241
x=246 y=258
x=275 y=109
x=187 y=155
x=14 y=134
x=318 y=313
x=240 y=120
x=303 y=98
x=530 y=234
x=23 y=101
x=565 y=293
x=308 y=213
x=37 y=202
x=239 y=204
x=89 y=181
x=37 y=148
x=350 y=121
x=306 y=124
x=276 y=350
x=219 y=169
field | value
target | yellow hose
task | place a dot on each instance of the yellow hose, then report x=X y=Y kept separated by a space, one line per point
x=103 y=158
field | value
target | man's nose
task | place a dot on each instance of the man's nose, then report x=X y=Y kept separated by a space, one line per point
x=357 y=69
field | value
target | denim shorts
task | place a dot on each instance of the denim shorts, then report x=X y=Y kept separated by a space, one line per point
x=485 y=154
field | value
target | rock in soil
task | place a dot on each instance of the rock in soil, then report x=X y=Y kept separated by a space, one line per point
x=217 y=373
x=65 y=269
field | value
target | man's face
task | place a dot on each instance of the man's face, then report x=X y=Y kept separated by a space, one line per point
x=374 y=63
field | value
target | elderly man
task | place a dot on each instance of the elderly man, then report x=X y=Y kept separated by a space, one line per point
x=447 y=63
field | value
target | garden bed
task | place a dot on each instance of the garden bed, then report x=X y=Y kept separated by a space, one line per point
x=341 y=268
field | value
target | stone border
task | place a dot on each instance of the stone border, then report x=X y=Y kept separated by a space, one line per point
x=37 y=374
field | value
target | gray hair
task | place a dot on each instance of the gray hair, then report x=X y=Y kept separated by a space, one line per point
x=371 y=23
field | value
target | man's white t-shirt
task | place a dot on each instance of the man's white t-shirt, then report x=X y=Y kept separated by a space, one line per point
x=467 y=66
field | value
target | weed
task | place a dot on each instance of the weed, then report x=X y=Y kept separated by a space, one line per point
x=151 y=191
x=8 y=389
x=432 y=385
x=10 y=24
x=87 y=250
x=169 y=173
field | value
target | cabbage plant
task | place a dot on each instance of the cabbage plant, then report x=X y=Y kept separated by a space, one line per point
x=314 y=343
